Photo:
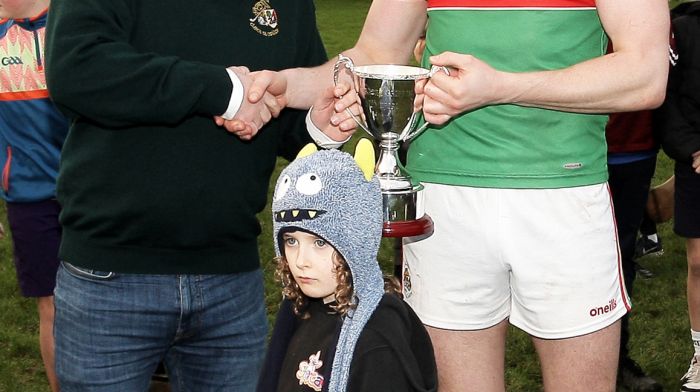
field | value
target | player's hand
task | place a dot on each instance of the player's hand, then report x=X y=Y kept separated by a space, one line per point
x=471 y=84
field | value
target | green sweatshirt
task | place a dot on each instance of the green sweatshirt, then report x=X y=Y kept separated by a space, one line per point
x=148 y=183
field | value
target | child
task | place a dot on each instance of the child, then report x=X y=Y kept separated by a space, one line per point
x=336 y=329
x=32 y=132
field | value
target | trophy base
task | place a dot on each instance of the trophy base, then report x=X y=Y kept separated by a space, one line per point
x=403 y=204
x=397 y=230
x=412 y=228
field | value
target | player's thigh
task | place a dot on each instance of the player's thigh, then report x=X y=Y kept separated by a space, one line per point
x=566 y=275
x=470 y=360
x=583 y=363
x=453 y=279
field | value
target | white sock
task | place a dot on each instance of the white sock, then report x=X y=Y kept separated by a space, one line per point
x=654 y=237
x=696 y=341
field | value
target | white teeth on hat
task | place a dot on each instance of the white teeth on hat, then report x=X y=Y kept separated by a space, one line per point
x=297 y=215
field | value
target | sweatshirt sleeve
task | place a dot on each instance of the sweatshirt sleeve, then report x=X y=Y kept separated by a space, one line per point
x=92 y=71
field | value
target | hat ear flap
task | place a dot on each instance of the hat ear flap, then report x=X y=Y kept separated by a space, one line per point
x=364 y=156
x=307 y=150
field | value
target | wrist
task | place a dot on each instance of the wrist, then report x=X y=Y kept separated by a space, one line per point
x=319 y=137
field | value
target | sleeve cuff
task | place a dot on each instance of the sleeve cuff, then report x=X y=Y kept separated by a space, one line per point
x=236 y=96
x=320 y=138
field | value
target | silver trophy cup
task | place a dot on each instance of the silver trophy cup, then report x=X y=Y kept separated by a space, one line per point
x=386 y=94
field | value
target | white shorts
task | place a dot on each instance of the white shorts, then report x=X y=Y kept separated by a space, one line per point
x=548 y=259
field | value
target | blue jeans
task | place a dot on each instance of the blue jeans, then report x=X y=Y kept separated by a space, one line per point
x=113 y=329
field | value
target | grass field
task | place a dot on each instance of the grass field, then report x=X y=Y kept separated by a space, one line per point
x=659 y=325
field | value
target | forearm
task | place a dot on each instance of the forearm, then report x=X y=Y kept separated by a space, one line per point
x=388 y=36
x=632 y=77
x=305 y=84
x=601 y=85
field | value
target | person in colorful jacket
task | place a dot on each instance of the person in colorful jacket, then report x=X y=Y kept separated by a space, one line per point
x=514 y=169
x=32 y=132
x=159 y=251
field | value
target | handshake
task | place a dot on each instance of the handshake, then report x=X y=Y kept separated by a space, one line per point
x=266 y=93
x=469 y=84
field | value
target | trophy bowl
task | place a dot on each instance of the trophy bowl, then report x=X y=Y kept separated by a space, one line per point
x=387 y=92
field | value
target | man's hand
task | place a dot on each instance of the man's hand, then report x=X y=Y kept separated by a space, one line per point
x=259 y=104
x=471 y=84
x=270 y=85
x=696 y=161
x=330 y=112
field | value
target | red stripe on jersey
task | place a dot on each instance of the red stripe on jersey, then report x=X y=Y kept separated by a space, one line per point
x=511 y=3
x=24 y=95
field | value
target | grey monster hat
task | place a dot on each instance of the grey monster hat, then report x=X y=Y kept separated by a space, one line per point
x=327 y=194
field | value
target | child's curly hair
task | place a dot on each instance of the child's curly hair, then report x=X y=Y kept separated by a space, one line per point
x=290 y=288
x=343 y=291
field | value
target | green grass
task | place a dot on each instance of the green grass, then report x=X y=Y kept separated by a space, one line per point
x=660 y=338
x=673 y=3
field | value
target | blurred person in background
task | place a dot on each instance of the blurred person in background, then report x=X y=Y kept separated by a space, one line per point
x=32 y=132
x=632 y=154
x=678 y=123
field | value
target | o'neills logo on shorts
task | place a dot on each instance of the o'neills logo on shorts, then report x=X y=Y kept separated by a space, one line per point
x=264 y=20
x=604 y=309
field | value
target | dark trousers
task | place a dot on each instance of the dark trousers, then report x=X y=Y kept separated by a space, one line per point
x=629 y=184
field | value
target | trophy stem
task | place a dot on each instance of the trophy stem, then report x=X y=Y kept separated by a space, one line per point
x=392 y=175
x=401 y=196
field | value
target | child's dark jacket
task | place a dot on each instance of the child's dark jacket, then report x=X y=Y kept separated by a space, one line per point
x=393 y=353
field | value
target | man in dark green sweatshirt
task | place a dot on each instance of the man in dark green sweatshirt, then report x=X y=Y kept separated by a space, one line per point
x=159 y=250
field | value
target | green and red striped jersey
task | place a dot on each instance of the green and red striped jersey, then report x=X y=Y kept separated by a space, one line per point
x=510 y=146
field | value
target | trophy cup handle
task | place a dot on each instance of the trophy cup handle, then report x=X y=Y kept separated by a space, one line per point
x=417 y=132
x=433 y=70
x=437 y=68
x=347 y=62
